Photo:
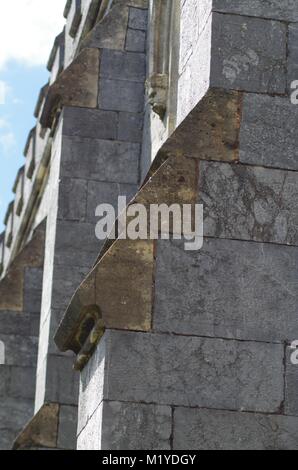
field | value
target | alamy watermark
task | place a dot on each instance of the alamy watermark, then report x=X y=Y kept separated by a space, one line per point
x=2 y=353
x=294 y=355
x=294 y=94
x=164 y=222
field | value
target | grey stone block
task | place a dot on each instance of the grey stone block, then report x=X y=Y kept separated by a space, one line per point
x=24 y=323
x=72 y=199
x=22 y=382
x=191 y=371
x=67 y=427
x=14 y=414
x=93 y=123
x=138 y=19
x=67 y=279
x=62 y=382
x=120 y=95
x=129 y=426
x=130 y=127
x=293 y=54
x=286 y=10
x=268 y=136
x=291 y=378
x=76 y=244
x=225 y=430
x=6 y=439
x=103 y=160
x=228 y=289
x=137 y=3
x=107 y=193
x=135 y=40
x=248 y=54
x=118 y=65
x=32 y=289
x=4 y=380
x=249 y=203
x=20 y=350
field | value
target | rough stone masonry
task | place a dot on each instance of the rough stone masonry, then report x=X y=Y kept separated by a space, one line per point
x=164 y=102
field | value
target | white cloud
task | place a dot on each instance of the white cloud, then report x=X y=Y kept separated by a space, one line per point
x=4 y=123
x=4 y=89
x=7 y=143
x=28 y=29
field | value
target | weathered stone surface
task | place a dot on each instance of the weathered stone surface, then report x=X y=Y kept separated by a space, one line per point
x=291 y=386
x=62 y=385
x=20 y=350
x=118 y=290
x=92 y=385
x=72 y=199
x=93 y=123
x=117 y=65
x=138 y=19
x=100 y=155
x=14 y=420
x=130 y=127
x=73 y=238
x=11 y=322
x=225 y=430
x=22 y=382
x=110 y=32
x=286 y=10
x=7 y=438
x=129 y=426
x=211 y=129
x=248 y=54
x=103 y=160
x=175 y=182
x=249 y=203
x=192 y=371
x=268 y=135
x=67 y=279
x=135 y=41
x=67 y=427
x=32 y=289
x=21 y=289
x=4 y=380
x=123 y=285
x=76 y=86
x=136 y=3
x=228 y=289
x=11 y=287
x=121 y=95
x=41 y=431
x=11 y=290
x=107 y=193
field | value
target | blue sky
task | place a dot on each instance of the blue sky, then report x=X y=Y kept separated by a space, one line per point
x=24 y=50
